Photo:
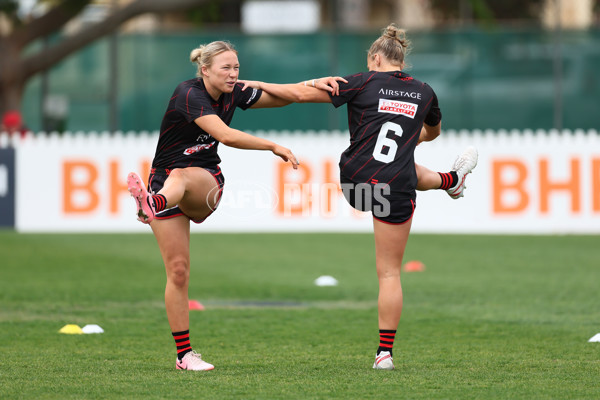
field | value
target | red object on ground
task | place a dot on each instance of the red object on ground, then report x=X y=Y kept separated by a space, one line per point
x=195 y=305
x=414 y=266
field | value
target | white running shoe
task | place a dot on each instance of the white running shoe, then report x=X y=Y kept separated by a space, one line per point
x=384 y=360
x=192 y=361
x=463 y=166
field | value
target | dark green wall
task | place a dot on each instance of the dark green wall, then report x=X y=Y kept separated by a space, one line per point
x=501 y=79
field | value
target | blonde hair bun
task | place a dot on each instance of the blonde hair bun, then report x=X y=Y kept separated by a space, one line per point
x=392 y=44
x=196 y=54
x=393 y=32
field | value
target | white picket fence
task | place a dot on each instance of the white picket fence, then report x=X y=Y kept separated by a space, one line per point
x=530 y=181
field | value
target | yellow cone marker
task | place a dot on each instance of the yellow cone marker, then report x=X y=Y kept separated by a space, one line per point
x=71 y=329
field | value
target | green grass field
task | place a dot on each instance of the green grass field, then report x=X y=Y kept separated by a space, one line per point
x=491 y=317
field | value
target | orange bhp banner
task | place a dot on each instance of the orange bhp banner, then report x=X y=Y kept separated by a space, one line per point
x=525 y=182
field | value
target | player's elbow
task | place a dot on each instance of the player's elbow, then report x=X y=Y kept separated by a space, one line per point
x=434 y=134
x=299 y=97
x=227 y=139
x=225 y=136
x=432 y=131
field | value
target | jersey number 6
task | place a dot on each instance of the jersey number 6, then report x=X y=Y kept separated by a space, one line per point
x=384 y=141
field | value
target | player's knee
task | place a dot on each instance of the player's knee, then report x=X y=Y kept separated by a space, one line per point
x=179 y=273
x=177 y=173
x=389 y=270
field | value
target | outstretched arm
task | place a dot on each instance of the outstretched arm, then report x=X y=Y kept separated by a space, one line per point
x=214 y=126
x=311 y=91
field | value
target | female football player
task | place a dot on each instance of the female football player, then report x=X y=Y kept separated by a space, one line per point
x=389 y=113
x=185 y=182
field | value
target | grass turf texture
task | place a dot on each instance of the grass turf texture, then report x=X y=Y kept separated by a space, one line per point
x=492 y=317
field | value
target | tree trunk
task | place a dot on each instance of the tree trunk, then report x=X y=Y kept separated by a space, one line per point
x=10 y=97
x=12 y=82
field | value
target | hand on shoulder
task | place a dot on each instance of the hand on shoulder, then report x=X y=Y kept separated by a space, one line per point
x=330 y=84
x=251 y=84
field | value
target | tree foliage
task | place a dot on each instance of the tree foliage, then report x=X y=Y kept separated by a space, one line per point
x=17 y=65
x=488 y=10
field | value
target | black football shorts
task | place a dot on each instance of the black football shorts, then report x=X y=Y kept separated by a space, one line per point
x=157 y=179
x=378 y=199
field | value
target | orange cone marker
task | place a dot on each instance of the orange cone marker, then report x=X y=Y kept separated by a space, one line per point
x=414 y=266
x=195 y=305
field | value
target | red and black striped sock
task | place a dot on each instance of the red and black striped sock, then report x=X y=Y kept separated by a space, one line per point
x=386 y=340
x=182 y=340
x=449 y=179
x=160 y=202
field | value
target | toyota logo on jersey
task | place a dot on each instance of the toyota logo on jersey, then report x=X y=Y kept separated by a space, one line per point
x=197 y=148
x=398 y=107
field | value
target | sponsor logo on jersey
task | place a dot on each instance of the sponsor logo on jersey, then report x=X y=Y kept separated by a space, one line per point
x=197 y=148
x=400 y=93
x=254 y=91
x=398 y=107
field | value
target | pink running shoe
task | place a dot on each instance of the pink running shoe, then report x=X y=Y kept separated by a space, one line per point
x=143 y=199
x=192 y=361
x=384 y=361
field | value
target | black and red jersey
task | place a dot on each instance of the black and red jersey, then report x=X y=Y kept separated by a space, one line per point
x=386 y=111
x=182 y=143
